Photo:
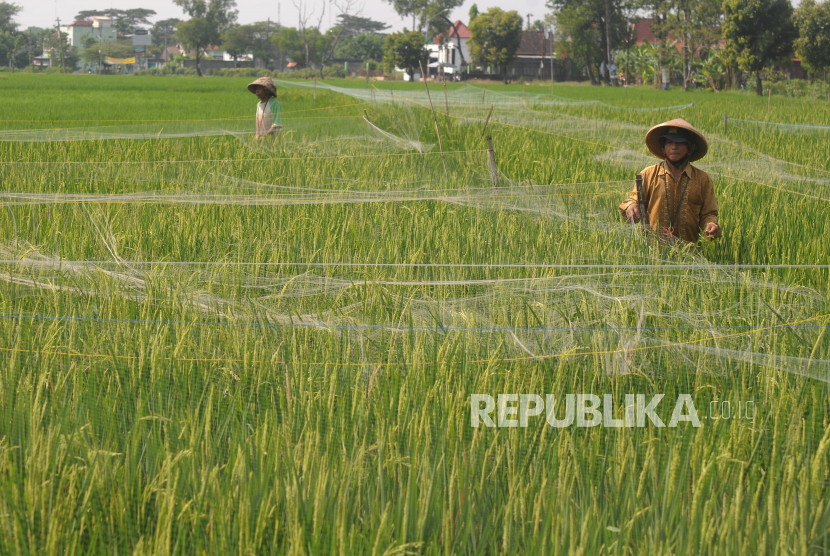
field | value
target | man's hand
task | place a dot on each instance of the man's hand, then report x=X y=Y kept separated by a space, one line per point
x=712 y=230
x=632 y=213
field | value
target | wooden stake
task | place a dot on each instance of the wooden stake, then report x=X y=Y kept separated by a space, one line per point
x=724 y=124
x=769 y=100
x=435 y=119
x=494 y=170
x=315 y=88
x=487 y=120
x=483 y=93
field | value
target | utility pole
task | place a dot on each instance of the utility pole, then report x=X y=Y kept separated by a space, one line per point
x=60 y=42
x=528 y=21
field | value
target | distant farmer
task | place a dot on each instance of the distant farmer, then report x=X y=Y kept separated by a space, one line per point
x=679 y=199
x=268 y=118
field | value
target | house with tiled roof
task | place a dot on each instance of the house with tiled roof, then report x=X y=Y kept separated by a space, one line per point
x=450 y=54
x=535 y=58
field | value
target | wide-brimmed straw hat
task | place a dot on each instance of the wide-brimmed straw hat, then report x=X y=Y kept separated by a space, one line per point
x=264 y=82
x=677 y=130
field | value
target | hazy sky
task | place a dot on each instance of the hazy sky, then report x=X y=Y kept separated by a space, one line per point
x=42 y=13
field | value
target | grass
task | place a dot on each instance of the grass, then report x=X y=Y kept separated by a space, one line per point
x=274 y=407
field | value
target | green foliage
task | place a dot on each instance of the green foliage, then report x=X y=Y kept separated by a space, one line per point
x=758 y=32
x=495 y=38
x=111 y=49
x=307 y=49
x=352 y=26
x=163 y=32
x=362 y=47
x=7 y=14
x=799 y=88
x=208 y=20
x=813 y=42
x=579 y=35
x=472 y=14
x=237 y=40
x=405 y=50
x=642 y=62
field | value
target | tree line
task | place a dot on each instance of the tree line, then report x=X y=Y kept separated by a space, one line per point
x=711 y=40
x=716 y=42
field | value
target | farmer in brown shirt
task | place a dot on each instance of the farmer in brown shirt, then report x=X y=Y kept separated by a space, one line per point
x=679 y=199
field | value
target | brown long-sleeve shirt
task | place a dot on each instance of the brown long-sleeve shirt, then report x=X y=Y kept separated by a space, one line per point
x=662 y=196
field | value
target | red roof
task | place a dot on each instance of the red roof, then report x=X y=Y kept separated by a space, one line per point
x=533 y=43
x=82 y=23
x=460 y=30
x=292 y=64
x=642 y=31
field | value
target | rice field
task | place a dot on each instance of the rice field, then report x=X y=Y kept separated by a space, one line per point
x=216 y=345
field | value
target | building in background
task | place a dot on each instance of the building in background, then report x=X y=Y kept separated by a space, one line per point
x=99 y=27
x=450 y=55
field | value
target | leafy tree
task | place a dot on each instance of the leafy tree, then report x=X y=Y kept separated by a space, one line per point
x=406 y=8
x=164 y=31
x=208 y=19
x=366 y=46
x=697 y=23
x=537 y=26
x=404 y=50
x=237 y=41
x=263 y=45
x=306 y=49
x=473 y=13
x=758 y=32
x=353 y=26
x=427 y=14
x=591 y=26
x=578 y=36
x=813 y=43
x=495 y=38
x=7 y=14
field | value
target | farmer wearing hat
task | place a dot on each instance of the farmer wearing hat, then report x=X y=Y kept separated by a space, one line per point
x=268 y=120
x=679 y=199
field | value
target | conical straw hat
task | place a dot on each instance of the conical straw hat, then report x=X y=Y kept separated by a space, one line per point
x=263 y=82
x=672 y=126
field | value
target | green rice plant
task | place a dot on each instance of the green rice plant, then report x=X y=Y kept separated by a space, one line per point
x=214 y=345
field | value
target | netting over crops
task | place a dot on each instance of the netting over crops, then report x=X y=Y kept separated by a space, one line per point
x=382 y=153
x=215 y=343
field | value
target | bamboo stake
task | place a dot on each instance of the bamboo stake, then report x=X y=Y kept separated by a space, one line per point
x=491 y=153
x=483 y=93
x=769 y=100
x=435 y=119
x=487 y=120
x=315 y=88
x=724 y=124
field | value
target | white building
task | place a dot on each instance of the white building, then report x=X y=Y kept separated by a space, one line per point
x=218 y=53
x=452 y=54
x=99 y=27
